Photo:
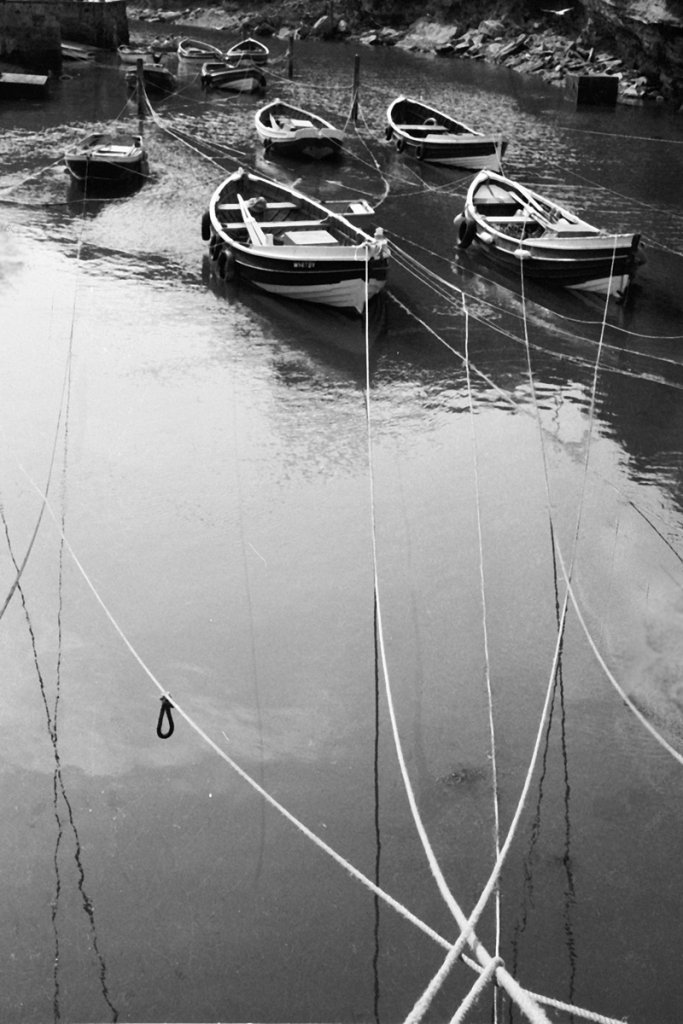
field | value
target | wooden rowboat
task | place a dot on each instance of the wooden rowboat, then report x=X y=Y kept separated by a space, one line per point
x=290 y=131
x=132 y=54
x=156 y=78
x=108 y=158
x=422 y=131
x=289 y=244
x=249 y=49
x=241 y=77
x=534 y=236
x=195 y=52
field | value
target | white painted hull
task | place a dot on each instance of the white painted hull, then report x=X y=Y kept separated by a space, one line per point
x=344 y=295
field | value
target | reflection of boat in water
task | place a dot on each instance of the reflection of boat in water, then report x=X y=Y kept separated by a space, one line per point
x=319 y=329
x=522 y=231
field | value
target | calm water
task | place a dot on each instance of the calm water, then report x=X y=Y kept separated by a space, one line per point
x=209 y=532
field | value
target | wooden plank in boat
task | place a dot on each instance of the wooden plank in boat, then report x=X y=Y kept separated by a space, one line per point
x=269 y=206
x=320 y=237
x=422 y=127
x=273 y=225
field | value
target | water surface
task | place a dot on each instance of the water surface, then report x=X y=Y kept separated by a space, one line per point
x=215 y=493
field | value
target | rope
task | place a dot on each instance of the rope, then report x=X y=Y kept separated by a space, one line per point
x=473 y=995
x=487 y=660
x=348 y=867
x=425 y=1001
x=601 y=661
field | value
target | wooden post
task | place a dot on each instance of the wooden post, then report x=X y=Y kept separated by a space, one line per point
x=290 y=57
x=356 y=84
x=140 y=88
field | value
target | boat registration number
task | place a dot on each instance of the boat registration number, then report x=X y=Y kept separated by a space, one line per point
x=303 y=265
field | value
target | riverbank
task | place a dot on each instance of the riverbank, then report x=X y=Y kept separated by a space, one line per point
x=550 y=45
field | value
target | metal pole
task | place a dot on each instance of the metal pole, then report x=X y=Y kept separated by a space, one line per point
x=140 y=86
x=290 y=57
x=356 y=83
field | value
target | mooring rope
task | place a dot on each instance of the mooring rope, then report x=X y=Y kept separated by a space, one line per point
x=485 y=640
x=467 y=935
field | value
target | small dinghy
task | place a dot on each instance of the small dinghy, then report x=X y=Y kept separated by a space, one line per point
x=289 y=244
x=524 y=232
x=290 y=131
x=108 y=158
x=156 y=78
x=249 y=49
x=132 y=54
x=424 y=132
x=195 y=52
x=240 y=77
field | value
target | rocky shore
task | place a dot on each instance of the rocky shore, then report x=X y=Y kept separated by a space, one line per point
x=550 y=46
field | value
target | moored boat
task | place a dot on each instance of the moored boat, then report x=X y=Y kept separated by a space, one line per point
x=241 y=77
x=195 y=52
x=111 y=158
x=132 y=54
x=426 y=133
x=291 y=131
x=156 y=78
x=534 y=236
x=289 y=244
x=249 y=49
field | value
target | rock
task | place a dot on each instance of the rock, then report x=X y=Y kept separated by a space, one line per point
x=426 y=34
x=512 y=47
x=491 y=28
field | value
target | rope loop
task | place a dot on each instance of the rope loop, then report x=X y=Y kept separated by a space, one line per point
x=165 y=712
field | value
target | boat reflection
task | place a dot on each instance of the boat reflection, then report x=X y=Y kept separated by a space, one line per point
x=305 y=324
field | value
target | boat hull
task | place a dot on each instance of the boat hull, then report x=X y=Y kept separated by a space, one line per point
x=235 y=80
x=301 y=250
x=339 y=284
x=130 y=57
x=251 y=50
x=532 y=236
x=427 y=134
x=315 y=146
x=156 y=79
x=85 y=169
x=290 y=131
x=475 y=155
x=193 y=54
x=591 y=270
x=109 y=159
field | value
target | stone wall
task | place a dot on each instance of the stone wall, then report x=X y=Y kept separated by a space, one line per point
x=30 y=34
x=31 y=31
x=103 y=24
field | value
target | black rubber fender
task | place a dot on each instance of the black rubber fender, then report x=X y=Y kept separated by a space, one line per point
x=400 y=145
x=226 y=267
x=467 y=231
x=206 y=226
x=420 y=151
x=388 y=132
